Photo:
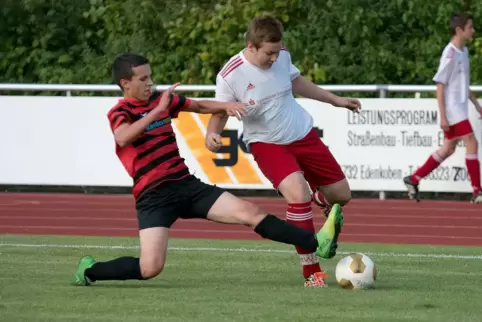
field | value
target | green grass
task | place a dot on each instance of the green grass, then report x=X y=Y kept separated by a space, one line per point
x=214 y=285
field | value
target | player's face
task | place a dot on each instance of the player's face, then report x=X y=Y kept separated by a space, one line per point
x=468 y=32
x=140 y=85
x=267 y=53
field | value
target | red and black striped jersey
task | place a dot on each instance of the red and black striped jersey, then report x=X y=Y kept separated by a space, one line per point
x=153 y=158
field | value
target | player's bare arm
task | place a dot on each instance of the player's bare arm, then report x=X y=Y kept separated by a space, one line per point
x=444 y=123
x=216 y=124
x=306 y=88
x=126 y=133
x=235 y=109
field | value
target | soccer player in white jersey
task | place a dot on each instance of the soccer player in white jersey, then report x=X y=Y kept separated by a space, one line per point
x=453 y=93
x=280 y=134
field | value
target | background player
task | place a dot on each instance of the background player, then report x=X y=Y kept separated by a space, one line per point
x=163 y=188
x=278 y=131
x=453 y=94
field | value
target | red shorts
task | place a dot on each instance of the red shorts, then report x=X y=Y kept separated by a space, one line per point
x=308 y=155
x=458 y=130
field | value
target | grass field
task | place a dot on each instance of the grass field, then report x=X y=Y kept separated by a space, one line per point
x=225 y=280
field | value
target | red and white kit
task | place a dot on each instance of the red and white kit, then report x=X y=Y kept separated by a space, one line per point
x=279 y=132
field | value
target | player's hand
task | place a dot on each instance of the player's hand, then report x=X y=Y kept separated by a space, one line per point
x=236 y=109
x=352 y=104
x=166 y=98
x=444 y=125
x=213 y=141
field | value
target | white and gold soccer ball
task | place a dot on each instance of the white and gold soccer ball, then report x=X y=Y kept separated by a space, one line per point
x=356 y=271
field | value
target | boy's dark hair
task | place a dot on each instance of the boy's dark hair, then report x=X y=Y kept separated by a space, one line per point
x=458 y=20
x=123 y=64
x=264 y=29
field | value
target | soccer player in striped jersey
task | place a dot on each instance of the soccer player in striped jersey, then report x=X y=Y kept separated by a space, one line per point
x=163 y=188
x=279 y=132
x=453 y=95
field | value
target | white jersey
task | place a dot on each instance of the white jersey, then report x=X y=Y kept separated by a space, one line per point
x=454 y=73
x=273 y=114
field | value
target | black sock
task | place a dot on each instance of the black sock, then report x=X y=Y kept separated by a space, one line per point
x=281 y=231
x=122 y=268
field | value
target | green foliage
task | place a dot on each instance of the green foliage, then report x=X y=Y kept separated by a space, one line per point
x=334 y=42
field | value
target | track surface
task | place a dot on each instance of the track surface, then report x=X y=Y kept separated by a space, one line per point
x=366 y=220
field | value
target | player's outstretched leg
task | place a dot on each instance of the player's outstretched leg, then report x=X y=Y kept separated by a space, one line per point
x=123 y=268
x=433 y=162
x=153 y=243
x=232 y=210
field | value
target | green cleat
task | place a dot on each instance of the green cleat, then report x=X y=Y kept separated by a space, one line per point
x=79 y=278
x=328 y=235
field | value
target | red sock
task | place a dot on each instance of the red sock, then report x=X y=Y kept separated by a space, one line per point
x=431 y=164
x=473 y=168
x=300 y=215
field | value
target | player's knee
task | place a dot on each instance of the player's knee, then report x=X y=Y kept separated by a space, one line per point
x=338 y=192
x=295 y=189
x=447 y=149
x=341 y=197
x=471 y=143
x=250 y=214
x=344 y=197
x=150 y=269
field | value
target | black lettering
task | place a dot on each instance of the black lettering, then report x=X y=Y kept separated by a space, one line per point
x=241 y=143
x=394 y=117
x=456 y=171
x=440 y=174
x=319 y=132
x=231 y=149
x=350 y=171
x=460 y=174
x=441 y=138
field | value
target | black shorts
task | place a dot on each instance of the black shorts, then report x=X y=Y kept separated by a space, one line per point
x=187 y=198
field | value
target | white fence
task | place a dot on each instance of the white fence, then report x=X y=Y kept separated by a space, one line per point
x=66 y=140
x=69 y=88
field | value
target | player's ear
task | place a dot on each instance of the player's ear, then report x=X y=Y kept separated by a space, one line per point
x=251 y=47
x=124 y=83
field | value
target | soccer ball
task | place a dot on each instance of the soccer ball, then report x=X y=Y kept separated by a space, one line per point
x=356 y=271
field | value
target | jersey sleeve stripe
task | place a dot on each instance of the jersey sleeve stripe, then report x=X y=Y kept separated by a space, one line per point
x=154 y=97
x=230 y=64
x=233 y=67
x=119 y=119
x=178 y=103
x=450 y=53
x=124 y=110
